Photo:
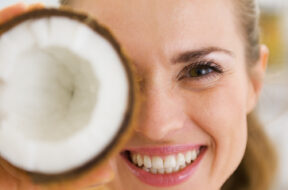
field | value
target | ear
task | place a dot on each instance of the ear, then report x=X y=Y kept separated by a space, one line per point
x=256 y=75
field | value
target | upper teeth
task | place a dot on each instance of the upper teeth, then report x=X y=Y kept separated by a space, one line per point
x=167 y=164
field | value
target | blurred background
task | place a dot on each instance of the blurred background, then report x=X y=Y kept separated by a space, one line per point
x=273 y=105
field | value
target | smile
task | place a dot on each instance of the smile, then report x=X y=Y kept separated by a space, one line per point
x=164 y=166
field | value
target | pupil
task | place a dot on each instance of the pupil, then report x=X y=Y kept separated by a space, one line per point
x=200 y=71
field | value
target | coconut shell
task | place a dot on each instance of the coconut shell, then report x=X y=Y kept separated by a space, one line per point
x=75 y=175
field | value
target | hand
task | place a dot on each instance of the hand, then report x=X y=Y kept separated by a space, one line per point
x=10 y=177
x=14 y=178
x=17 y=9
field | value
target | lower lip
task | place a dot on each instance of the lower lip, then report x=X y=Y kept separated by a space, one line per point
x=165 y=180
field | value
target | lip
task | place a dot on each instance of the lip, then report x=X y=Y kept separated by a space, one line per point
x=164 y=180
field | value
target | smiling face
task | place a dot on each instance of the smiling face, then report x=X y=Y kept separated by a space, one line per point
x=190 y=59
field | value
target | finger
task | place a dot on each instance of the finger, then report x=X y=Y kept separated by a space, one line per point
x=12 y=11
x=17 y=9
x=100 y=188
x=6 y=182
x=35 y=6
x=103 y=175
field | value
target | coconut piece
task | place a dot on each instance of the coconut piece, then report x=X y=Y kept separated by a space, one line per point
x=66 y=92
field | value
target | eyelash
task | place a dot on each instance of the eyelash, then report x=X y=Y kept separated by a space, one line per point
x=215 y=69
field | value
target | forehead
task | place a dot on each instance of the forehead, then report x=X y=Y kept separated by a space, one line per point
x=166 y=23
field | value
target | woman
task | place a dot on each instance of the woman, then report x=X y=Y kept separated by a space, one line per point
x=201 y=68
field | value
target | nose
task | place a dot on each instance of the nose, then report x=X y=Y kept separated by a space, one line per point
x=161 y=113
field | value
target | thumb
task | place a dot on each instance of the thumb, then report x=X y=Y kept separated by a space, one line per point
x=15 y=10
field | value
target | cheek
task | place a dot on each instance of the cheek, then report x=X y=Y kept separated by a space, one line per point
x=220 y=113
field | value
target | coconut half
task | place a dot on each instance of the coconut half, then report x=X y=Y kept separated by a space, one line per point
x=66 y=91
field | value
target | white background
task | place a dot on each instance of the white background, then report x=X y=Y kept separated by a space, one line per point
x=4 y=3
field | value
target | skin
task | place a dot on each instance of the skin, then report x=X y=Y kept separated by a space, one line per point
x=211 y=109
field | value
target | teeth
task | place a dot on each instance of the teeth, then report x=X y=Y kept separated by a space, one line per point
x=146 y=169
x=168 y=170
x=176 y=169
x=161 y=171
x=190 y=156
x=139 y=160
x=153 y=171
x=183 y=166
x=198 y=151
x=147 y=162
x=168 y=164
x=134 y=159
x=180 y=160
x=157 y=162
x=194 y=154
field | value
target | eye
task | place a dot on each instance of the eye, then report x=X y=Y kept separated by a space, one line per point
x=200 y=70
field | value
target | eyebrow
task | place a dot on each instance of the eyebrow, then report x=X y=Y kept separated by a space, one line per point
x=189 y=56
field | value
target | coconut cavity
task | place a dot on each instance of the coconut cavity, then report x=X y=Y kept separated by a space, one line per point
x=64 y=94
x=49 y=95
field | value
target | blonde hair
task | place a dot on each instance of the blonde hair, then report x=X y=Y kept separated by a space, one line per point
x=257 y=168
x=64 y=2
x=248 y=14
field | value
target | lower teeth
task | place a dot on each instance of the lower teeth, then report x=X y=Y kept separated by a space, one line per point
x=164 y=171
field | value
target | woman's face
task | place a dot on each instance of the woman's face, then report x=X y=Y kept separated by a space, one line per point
x=195 y=89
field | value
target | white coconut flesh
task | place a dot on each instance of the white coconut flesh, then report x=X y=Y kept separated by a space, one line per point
x=63 y=94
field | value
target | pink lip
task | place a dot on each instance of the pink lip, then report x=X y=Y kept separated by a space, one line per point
x=164 y=180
